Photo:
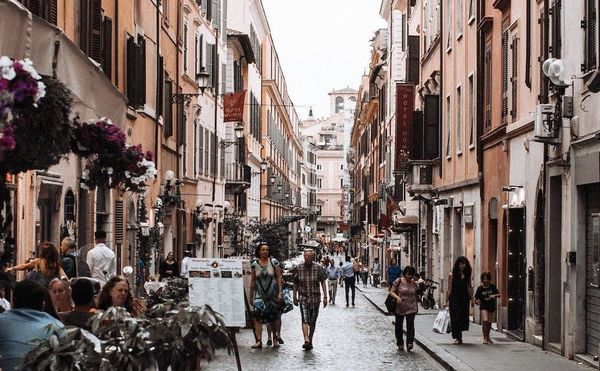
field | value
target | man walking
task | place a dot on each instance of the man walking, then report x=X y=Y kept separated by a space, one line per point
x=69 y=260
x=333 y=275
x=101 y=259
x=308 y=276
x=347 y=273
x=376 y=271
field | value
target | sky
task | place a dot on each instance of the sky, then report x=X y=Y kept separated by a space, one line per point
x=322 y=45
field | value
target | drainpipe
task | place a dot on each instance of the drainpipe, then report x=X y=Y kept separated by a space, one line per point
x=177 y=140
x=156 y=123
x=441 y=102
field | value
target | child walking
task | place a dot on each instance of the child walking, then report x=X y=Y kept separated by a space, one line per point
x=485 y=297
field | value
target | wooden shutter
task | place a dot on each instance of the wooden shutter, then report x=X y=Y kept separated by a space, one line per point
x=504 y=73
x=131 y=85
x=207 y=145
x=556 y=29
x=488 y=87
x=416 y=152
x=218 y=14
x=82 y=217
x=107 y=46
x=181 y=123
x=140 y=69
x=431 y=127
x=33 y=6
x=209 y=64
x=224 y=21
x=413 y=59
x=223 y=77
x=213 y=154
x=589 y=25
x=95 y=36
x=543 y=96
x=212 y=12
x=168 y=117
x=119 y=222
x=160 y=78
x=52 y=12
x=204 y=4
x=514 y=78
x=201 y=150
x=101 y=200
x=222 y=167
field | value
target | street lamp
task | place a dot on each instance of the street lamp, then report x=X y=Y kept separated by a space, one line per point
x=239 y=133
x=202 y=81
x=263 y=166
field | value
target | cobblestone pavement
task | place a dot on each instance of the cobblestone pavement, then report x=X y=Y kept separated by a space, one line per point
x=359 y=338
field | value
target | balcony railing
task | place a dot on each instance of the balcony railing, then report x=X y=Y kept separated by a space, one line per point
x=238 y=176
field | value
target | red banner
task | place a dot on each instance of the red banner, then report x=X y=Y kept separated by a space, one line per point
x=233 y=106
x=405 y=105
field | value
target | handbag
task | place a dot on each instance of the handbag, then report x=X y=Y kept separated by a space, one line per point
x=390 y=304
x=288 y=304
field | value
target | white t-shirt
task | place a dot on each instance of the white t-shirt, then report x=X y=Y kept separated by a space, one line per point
x=102 y=263
x=183 y=272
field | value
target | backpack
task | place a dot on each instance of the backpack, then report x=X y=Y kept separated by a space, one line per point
x=82 y=269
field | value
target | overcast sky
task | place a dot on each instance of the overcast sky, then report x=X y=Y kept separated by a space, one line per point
x=322 y=45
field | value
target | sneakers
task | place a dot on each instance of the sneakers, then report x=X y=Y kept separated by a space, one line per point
x=269 y=342
x=409 y=346
x=280 y=340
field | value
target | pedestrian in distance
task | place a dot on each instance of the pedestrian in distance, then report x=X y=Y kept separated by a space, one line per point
x=169 y=268
x=357 y=269
x=404 y=290
x=365 y=274
x=28 y=322
x=376 y=271
x=184 y=264
x=60 y=290
x=82 y=292
x=393 y=272
x=45 y=268
x=267 y=285
x=485 y=297
x=347 y=273
x=333 y=275
x=459 y=295
x=101 y=259
x=69 y=259
x=341 y=277
x=308 y=276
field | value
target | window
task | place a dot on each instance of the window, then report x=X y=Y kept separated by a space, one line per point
x=341 y=166
x=471 y=105
x=459 y=20
x=46 y=9
x=339 y=104
x=488 y=86
x=556 y=29
x=341 y=182
x=471 y=11
x=459 y=120
x=303 y=179
x=319 y=167
x=136 y=71
x=504 y=73
x=514 y=78
x=589 y=25
x=198 y=44
x=319 y=183
x=90 y=28
x=543 y=97
x=448 y=126
x=449 y=24
x=185 y=47
x=69 y=206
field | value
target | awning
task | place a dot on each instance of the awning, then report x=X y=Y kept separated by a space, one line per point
x=245 y=43
x=49 y=187
x=407 y=219
x=27 y=36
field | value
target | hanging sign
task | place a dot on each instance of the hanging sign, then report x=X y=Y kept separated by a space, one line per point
x=405 y=106
x=233 y=106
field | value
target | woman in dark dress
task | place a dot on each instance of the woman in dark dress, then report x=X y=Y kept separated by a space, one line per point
x=169 y=268
x=458 y=296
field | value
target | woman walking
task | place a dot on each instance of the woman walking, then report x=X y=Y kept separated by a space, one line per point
x=169 y=268
x=45 y=268
x=267 y=284
x=404 y=290
x=458 y=296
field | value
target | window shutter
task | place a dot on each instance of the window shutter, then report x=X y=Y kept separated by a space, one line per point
x=514 y=82
x=140 y=68
x=431 y=127
x=215 y=67
x=119 y=222
x=556 y=29
x=185 y=48
x=168 y=118
x=84 y=25
x=82 y=217
x=204 y=4
x=222 y=167
x=413 y=59
x=217 y=22
x=201 y=151
x=224 y=24
x=201 y=53
x=207 y=152
x=101 y=200
x=223 y=77
x=504 y=74
x=417 y=137
x=107 y=46
x=131 y=84
x=488 y=87
x=213 y=154
x=196 y=54
x=33 y=6
x=181 y=123
x=160 y=78
x=213 y=11
x=95 y=36
x=589 y=25
x=52 y=15
x=543 y=97
x=209 y=64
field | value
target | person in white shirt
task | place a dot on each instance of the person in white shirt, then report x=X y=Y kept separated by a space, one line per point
x=183 y=272
x=101 y=259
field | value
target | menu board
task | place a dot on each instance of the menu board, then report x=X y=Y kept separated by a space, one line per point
x=220 y=284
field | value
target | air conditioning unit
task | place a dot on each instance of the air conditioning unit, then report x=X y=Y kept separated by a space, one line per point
x=545 y=129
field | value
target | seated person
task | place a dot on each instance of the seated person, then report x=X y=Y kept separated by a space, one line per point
x=82 y=293
x=27 y=322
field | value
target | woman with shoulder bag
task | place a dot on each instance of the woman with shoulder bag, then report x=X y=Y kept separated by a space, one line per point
x=404 y=290
x=45 y=268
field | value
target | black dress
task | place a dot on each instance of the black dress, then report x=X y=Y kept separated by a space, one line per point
x=459 y=307
x=168 y=270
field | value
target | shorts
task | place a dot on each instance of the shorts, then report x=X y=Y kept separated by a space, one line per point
x=487 y=316
x=309 y=313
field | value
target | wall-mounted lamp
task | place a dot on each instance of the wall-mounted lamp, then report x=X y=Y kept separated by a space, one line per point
x=264 y=165
x=202 y=81
x=239 y=133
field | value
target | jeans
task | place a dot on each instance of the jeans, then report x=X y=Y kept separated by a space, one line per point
x=350 y=284
x=410 y=329
x=375 y=279
x=365 y=278
x=332 y=289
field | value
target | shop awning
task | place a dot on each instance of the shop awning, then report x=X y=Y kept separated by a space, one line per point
x=27 y=36
x=407 y=219
x=245 y=43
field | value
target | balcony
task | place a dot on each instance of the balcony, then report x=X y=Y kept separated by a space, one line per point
x=421 y=177
x=238 y=177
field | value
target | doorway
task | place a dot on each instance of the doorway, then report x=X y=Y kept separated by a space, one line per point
x=516 y=269
x=553 y=308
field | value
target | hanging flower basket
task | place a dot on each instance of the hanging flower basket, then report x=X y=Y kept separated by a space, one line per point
x=98 y=137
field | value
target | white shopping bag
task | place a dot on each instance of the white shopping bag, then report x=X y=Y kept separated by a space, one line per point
x=440 y=325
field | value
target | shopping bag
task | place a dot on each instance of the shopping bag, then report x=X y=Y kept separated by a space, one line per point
x=440 y=325
x=390 y=304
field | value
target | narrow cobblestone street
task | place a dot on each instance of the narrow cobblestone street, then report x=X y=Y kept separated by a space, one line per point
x=345 y=338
